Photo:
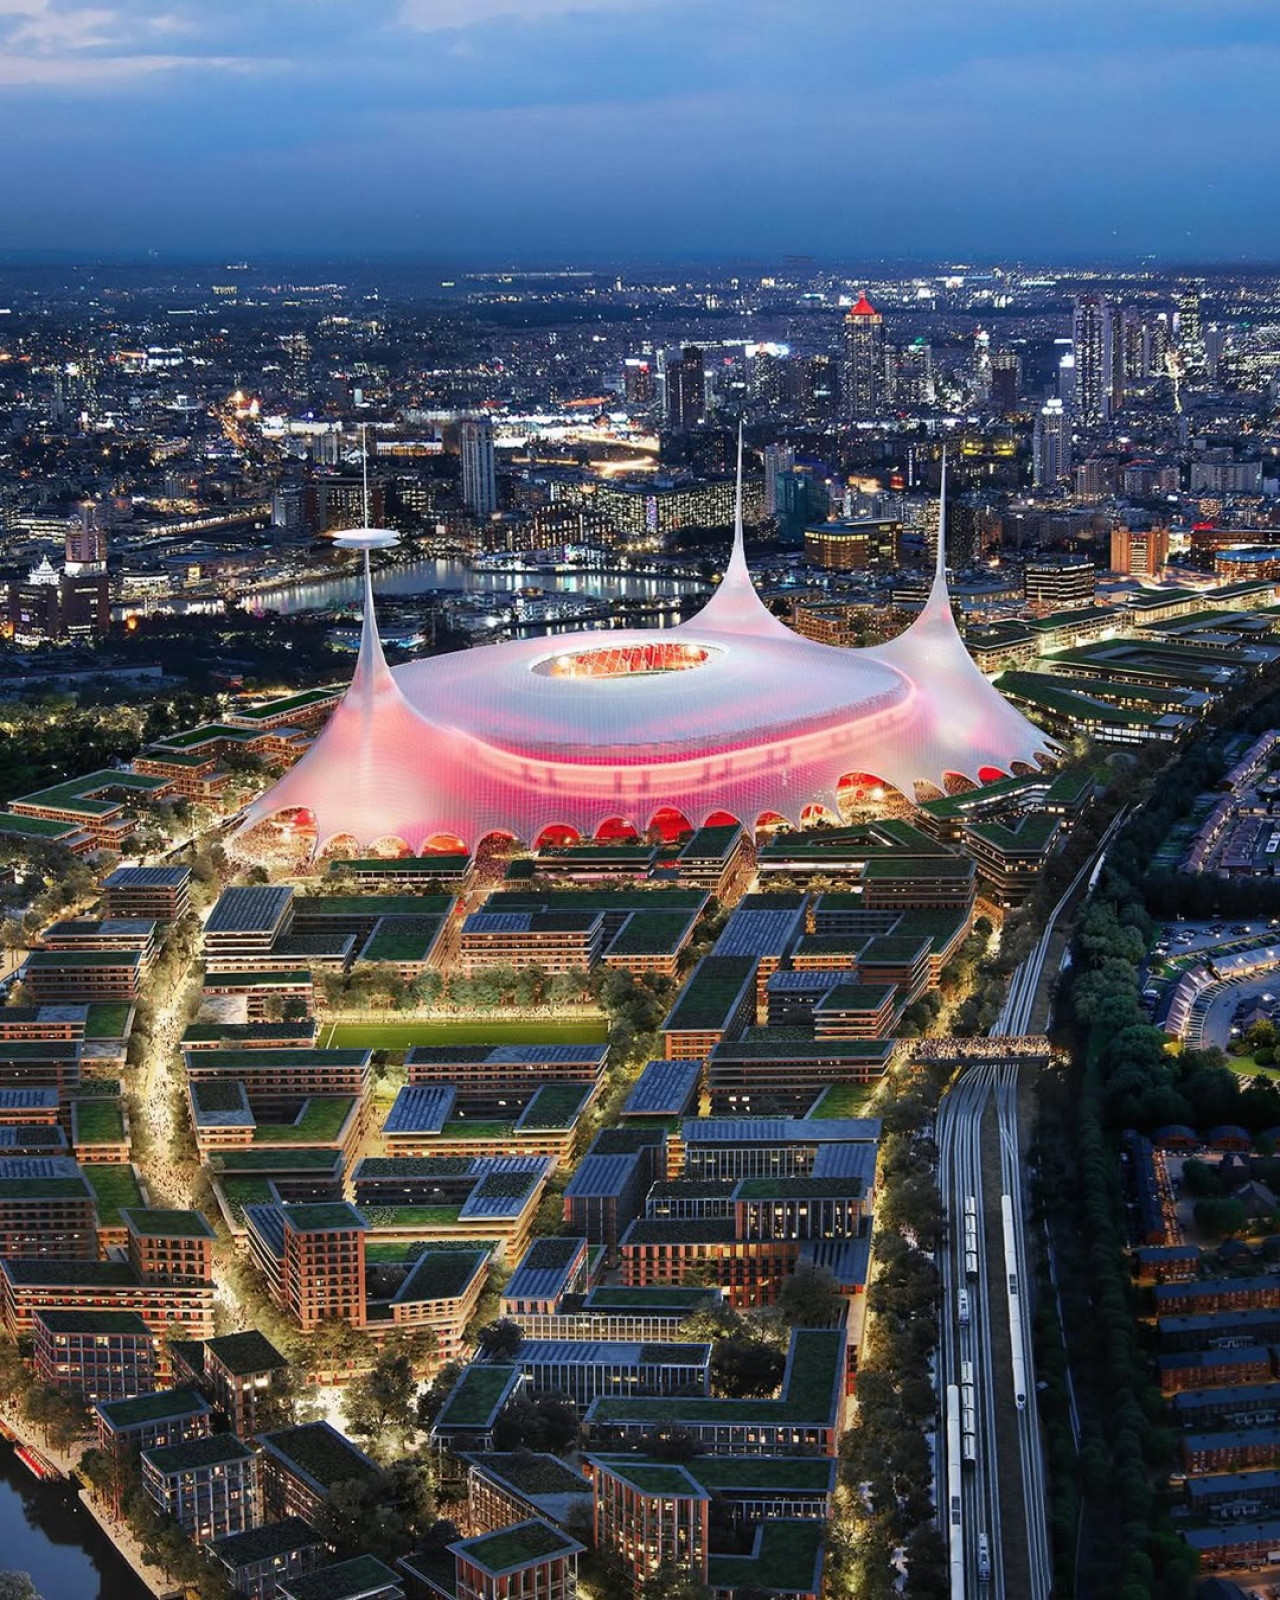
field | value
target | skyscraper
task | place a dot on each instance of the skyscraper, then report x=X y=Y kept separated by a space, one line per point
x=479 y=483
x=1006 y=381
x=86 y=548
x=1190 y=335
x=862 y=377
x=1051 y=446
x=1094 y=334
x=637 y=377
x=778 y=458
x=686 y=390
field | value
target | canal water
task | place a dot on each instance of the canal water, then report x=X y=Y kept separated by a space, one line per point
x=45 y=1531
x=421 y=577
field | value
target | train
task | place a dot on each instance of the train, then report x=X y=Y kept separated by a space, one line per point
x=968 y=1416
x=1016 y=1351
x=955 y=1502
x=971 y=1237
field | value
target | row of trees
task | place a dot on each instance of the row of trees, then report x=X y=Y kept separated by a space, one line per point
x=887 y=1469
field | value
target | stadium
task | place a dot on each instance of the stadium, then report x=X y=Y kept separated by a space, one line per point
x=612 y=731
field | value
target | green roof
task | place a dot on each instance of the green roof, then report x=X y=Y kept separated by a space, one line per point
x=39 y=960
x=155 y=1407
x=321 y=1121
x=191 y=1454
x=205 y=734
x=785 y=1559
x=531 y=1474
x=35 y=827
x=116 y=1186
x=707 y=1000
x=245 y=1353
x=651 y=933
x=107 y=1019
x=518 y=1546
x=555 y=1105
x=97 y=1121
x=477 y=1395
x=324 y=1217
x=811 y=1390
x=234 y=1063
x=446 y=864
x=402 y=939
x=320 y=1452
x=346 y=1580
x=93 y=1322
x=286 y=704
x=43 y=1188
x=442 y=1274
x=296 y=1158
x=153 y=1223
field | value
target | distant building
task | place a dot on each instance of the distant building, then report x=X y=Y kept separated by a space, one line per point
x=1140 y=552
x=479 y=480
x=848 y=546
x=862 y=380
x=1059 y=585
x=1099 y=361
x=1051 y=446
x=638 y=384
x=686 y=390
x=1006 y=381
x=778 y=458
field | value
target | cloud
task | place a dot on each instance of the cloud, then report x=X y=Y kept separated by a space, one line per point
x=435 y=16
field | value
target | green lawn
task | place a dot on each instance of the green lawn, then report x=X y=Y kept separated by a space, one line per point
x=844 y=1100
x=1247 y=1067
x=404 y=1035
x=107 y=1019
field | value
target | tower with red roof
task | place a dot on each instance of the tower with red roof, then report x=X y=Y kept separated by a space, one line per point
x=862 y=372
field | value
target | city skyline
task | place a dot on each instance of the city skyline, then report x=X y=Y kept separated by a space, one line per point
x=535 y=126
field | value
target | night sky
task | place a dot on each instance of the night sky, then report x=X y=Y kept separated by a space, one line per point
x=612 y=129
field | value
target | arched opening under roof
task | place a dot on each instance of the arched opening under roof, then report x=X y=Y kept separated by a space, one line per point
x=926 y=791
x=444 y=844
x=557 y=836
x=667 y=825
x=499 y=844
x=339 y=847
x=390 y=846
x=617 y=830
x=284 y=840
x=991 y=774
x=770 y=822
x=817 y=815
x=1022 y=769
x=957 y=783
x=721 y=819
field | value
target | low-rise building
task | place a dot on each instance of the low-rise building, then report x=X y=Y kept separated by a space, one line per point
x=300 y=1465
x=259 y=1559
x=210 y=1486
x=96 y=1355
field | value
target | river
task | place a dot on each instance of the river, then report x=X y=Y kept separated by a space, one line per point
x=45 y=1531
x=423 y=576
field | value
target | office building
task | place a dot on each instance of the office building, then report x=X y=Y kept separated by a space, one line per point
x=852 y=546
x=1139 y=552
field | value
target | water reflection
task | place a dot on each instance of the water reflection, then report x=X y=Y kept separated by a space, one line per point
x=420 y=577
x=45 y=1531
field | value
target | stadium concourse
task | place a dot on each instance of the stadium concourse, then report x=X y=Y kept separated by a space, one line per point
x=730 y=714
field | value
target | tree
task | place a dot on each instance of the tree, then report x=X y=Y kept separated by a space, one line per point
x=549 y=1423
x=672 y=1582
x=17 y=1586
x=743 y=1368
x=810 y=1298
x=501 y=1340
x=1221 y=1218
x=379 y=1404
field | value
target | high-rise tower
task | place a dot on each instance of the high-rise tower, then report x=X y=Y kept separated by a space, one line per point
x=862 y=376
x=1051 y=445
x=479 y=483
x=1094 y=334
